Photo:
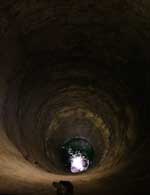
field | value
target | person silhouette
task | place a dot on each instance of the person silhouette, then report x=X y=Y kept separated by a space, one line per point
x=63 y=187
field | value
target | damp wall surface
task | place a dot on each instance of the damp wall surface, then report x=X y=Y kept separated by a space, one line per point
x=74 y=69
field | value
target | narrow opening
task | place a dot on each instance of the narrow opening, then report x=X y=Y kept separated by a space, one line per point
x=77 y=155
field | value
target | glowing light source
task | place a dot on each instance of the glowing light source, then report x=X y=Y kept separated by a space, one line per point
x=78 y=163
x=77 y=155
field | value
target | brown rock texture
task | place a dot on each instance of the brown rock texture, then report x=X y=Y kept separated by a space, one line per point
x=74 y=68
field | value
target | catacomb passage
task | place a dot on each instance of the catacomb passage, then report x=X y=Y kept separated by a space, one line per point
x=74 y=97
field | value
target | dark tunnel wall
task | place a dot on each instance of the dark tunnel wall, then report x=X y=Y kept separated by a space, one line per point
x=74 y=69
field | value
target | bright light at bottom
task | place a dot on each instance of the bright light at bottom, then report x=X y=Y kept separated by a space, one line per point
x=79 y=163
